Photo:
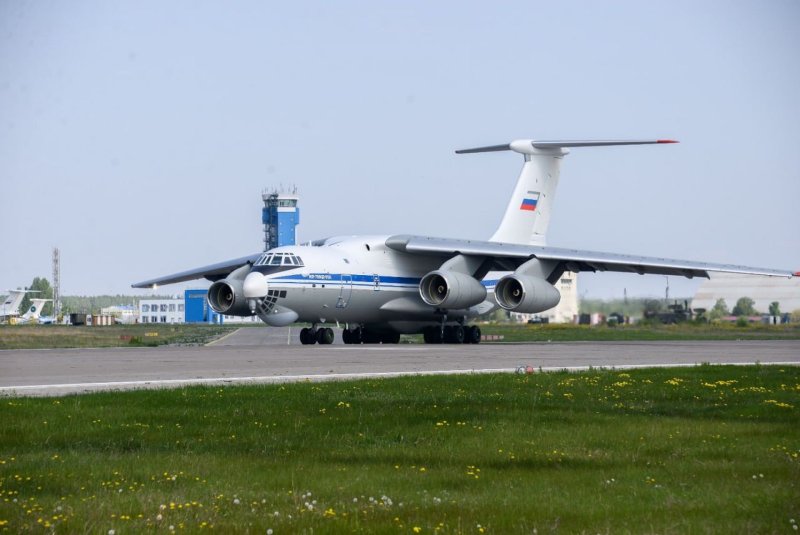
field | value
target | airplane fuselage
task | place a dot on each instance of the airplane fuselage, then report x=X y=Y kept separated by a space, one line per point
x=354 y=280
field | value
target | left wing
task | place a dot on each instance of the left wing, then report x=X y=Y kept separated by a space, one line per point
x=509 y=256
x=213 y=272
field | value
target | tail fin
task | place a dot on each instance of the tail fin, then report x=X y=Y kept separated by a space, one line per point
x=528 y=213
x=35 y=310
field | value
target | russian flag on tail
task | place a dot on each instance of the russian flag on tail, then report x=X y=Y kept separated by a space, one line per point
x=530 y=201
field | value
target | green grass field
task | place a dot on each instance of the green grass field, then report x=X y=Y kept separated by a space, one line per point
x=50 y=336
x=710 y=449
x=602 y=333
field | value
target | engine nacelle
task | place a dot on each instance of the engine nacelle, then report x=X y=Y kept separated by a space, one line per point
x=528 y=295
x=451 y=289
x=227 y=297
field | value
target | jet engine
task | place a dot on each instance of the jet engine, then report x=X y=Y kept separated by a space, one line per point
x=451 y=289
x=525 y=294
x=227 y=297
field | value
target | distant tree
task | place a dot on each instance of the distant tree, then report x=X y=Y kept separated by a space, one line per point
x=719 y=311
x=744 y=307
x=774 y=309
x=44 y=291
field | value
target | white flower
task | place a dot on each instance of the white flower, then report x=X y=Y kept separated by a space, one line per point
x=236 y=501
x=269 y=531
x=159 y=517
x=111 y=532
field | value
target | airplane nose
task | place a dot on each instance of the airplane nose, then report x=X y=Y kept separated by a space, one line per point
x=255 y=286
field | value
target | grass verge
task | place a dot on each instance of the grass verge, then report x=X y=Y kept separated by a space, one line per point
x=706 y=449
x=50 y=336
x=559 y=332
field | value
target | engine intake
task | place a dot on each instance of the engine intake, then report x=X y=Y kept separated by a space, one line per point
x=227 y=297
x=528 y=295
x=451 y=289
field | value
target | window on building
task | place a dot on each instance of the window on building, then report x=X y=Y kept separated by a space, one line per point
x=145 y=308
x=144 y=319
x=172 y=307
x=180 y=307
x=153 y=319
x=164 y=307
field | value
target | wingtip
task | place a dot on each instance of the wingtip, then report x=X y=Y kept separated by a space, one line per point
x=668 y=141
x=796 y=273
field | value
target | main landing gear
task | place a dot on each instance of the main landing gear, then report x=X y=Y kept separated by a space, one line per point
x=356 y=335
x=360 y=335
x=452 y=334
x=322 y=336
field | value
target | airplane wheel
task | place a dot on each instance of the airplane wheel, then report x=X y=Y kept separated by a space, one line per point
x=370 y=337
x=456 y=335
x=390 y=338
x=307 y=336
x=472 y=335
x=325 y=336
x=347 y=336
x=436 y=335
x=356 y=335
x=426 y=335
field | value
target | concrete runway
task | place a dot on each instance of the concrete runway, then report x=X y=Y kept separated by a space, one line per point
x=253 y=355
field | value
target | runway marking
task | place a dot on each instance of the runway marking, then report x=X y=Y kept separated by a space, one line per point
x=211 y=343
x=277 y=379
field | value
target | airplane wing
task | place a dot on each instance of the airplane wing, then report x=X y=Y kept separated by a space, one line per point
x=212 y=272
x=509 y=256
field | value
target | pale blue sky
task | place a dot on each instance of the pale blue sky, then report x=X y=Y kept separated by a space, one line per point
x=138 y=136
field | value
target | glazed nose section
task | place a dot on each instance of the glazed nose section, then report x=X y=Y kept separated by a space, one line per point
x=255 y=286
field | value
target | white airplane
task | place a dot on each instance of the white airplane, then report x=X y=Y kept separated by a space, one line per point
x=10 y=307
x=382 y=286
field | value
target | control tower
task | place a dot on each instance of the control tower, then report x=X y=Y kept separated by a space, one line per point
x=280 y=216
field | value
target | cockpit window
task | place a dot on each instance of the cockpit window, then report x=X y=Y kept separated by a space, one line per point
x=287 y=260
x=262 y=260
x=276 y=261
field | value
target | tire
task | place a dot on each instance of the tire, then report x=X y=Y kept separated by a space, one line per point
x=390 y=338
x=307 y=336
x=472 y=335
x=458 y=334
x=325 y=336
x=370 y=337
x=355 y=335
x=346 y=336
x=436 y=335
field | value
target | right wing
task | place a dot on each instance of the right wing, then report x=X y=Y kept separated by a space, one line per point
x=214 y=272
x=509 y=256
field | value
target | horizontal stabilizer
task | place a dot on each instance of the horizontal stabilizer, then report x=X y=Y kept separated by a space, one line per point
x=526 y=146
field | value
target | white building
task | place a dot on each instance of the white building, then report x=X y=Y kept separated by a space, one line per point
x=162 y=311
x=567 y=309
x=763 y=290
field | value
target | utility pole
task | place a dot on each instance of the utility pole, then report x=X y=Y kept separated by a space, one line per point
x=56 y=284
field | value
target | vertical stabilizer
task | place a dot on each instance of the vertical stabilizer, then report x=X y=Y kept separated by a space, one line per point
x=528 y=212
x=34 y=311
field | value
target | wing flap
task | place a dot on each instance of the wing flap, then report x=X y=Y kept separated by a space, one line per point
x=211 y=272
